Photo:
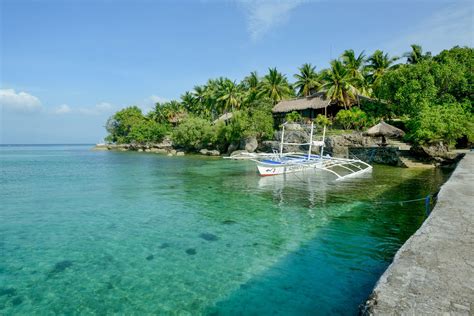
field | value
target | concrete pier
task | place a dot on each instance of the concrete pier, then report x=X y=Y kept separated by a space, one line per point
x=433 y=272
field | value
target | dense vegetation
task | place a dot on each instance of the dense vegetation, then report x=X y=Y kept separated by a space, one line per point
x=432 y=96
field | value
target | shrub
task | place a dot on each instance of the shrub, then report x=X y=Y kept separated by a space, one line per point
x=293 y=117
x=322 y=120
x=194 y=133
x=353 y=118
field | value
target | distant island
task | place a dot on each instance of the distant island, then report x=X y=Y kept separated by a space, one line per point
x=429 y=97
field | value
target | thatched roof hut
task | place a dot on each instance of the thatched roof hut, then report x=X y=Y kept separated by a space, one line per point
x=315 y=101
x=383 y=129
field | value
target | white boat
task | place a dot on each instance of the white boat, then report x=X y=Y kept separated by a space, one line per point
x=282 y=163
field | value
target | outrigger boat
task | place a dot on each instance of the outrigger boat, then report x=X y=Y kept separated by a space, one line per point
x=282 y=163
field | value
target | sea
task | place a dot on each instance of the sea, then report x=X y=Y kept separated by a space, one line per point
x=86 y=232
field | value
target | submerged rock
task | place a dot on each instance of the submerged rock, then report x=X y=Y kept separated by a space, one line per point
x=17 y=301
x=150 y=257
x=61 y=266
x=7 y=291
x=208 y=236
x=164 y=245
x=191 y=251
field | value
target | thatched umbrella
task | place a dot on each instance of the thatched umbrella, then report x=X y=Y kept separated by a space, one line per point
x=383 y=130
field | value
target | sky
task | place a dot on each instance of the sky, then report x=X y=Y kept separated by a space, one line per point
x=68 y=65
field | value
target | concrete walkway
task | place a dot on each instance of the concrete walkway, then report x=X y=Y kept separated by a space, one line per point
x=433 y=272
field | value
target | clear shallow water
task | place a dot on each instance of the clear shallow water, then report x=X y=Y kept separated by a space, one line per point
x=134 y=233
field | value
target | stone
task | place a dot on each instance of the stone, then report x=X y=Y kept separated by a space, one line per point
x=180 y=153
x=208 y=152
x=249 y=144
x=438 y=152
x=140 y=150
x=214 y=153
x=238 y=152
x=147 y=150
x=232 y=147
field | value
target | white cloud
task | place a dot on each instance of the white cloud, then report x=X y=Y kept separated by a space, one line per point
x=99 y=108
x=63 y=109
x=20 y=102
x=263 y=15
x=448 y=27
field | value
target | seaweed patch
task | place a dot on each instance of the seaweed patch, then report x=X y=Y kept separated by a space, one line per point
x=150 y=257
x=7 y=291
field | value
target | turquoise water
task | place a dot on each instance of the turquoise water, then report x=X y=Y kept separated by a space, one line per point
x=85 y=232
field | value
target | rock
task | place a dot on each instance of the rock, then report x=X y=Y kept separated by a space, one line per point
x=173 y=152
x=338 y=146
x=209 y=152
x=434 y=152
x=238 y=152
x=158 y=150
x=268 y=146
x=139 y=150
x=180 y=153
x=249 y=144
x=170 y=154
x=147 y=150
x=233 y=147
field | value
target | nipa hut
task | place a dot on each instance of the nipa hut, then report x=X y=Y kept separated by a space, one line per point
x=308 y=107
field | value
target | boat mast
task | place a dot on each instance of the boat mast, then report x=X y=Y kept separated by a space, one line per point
x=324 y=142
x=310 y=141
x=282 y=138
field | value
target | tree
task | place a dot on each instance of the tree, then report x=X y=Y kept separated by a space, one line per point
x=275 y=86
x=416 y=55
x=194 y=133
x=307 y=80
x=251 y=87
x=338 y=84
x=378 y=64
x=230 y=96
x=445 y=122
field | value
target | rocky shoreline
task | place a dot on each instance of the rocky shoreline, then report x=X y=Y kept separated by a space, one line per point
x=351 y=145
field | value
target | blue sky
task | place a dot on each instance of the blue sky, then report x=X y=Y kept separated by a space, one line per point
x=66 y=66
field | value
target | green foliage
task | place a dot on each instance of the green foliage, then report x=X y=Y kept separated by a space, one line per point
x=446 y=122
x=293 y=117
x=409 y=90
x=353 y=118
x=194 y=133
x=130 y=126
x=307 y=80
x=147 y=132
x=410 y=87
x=322 y=120
x=256 y=123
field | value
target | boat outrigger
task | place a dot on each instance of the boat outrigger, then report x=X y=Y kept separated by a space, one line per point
x=282 y=163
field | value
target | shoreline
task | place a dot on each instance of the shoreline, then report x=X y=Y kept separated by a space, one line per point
x=433 y=272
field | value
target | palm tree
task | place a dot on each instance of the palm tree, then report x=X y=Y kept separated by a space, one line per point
x=379 y=63
x=251 y=86
x=229 y=95
x=416 y=54
x=307 y=80
x=338 y=84
x=353 y=64
x=275 y=86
